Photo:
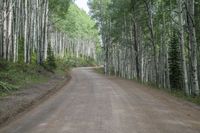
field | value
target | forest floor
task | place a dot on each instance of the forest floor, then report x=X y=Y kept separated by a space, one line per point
x=94 y=103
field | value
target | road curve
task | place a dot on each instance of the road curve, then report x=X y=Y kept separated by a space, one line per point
x=92 y=103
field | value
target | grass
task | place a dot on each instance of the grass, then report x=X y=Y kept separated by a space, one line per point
x=6 y=87
x=99 y=70
x=176 y=93
x=193 y=99
x=179 y=94
x=14 y=76
x=71 y=62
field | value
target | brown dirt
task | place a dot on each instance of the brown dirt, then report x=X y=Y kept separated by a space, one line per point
x=93 y=103
x=18 y=102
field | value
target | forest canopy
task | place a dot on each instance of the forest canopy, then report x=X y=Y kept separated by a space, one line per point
x=77 y=24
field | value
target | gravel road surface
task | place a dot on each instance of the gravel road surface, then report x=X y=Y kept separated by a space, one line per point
x=93 y=103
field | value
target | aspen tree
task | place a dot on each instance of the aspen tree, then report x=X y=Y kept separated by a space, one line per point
x=193 y=44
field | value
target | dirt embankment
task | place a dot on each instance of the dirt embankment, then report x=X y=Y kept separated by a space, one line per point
x=23 y=100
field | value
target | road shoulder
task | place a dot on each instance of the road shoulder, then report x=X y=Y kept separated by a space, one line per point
x=19 y=102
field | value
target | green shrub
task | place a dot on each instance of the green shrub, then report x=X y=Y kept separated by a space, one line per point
x=175 y=64
x=21 y=50
x=6 y=87
x=3 y=65
x=50 y=63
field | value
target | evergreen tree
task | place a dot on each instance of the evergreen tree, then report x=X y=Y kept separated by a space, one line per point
x=51 y=61
x=175 y=63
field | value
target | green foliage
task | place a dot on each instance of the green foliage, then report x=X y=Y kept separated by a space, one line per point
x=181 y=94
x=6 y=87
x=14 y=75
x=59 y=7
x=21 y=50
x=3 y=64
x=175 y=63
x=50 y=63
x=34 y=58
x=71 y=62
x=77 y=24
x=100 y=70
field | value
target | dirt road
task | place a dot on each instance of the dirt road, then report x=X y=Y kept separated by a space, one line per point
x=92 y=103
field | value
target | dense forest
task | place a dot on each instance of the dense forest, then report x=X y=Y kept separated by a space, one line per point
x=29 y=27
x=41 y=36
x=153 y=41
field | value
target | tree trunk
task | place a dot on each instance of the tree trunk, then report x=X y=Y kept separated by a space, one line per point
x=193 y=43
x=25 y=30
x=182 y=46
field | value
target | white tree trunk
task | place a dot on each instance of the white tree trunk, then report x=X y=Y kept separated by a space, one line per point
x=193 y=43
x=182 y=46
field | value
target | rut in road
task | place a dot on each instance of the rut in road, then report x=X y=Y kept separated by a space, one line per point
x=93 y=103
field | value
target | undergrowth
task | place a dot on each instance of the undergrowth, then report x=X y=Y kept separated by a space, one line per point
x=14 y=76
x=99 y=70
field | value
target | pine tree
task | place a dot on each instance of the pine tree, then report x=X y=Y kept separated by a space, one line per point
x=51 y=61
x=175 y=63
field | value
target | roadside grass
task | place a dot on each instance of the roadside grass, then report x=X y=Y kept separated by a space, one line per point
x=99 y=70
x=176 y=93
x=193 y=99
x=179 y=94
x=71 y=61
x=15 y=76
